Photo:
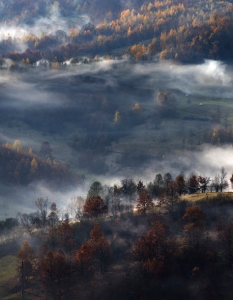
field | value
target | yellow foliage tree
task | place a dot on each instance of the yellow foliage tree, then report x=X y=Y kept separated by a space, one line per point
x=34 y=165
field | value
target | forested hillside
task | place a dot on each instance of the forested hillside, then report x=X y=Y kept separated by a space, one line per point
x=186 y=31
x=115 y=124
x=122 y=243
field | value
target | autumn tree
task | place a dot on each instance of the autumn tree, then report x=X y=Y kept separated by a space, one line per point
x=53 y=270
x=100 y=247
x=94 y=207
x=181 y=184
x=65 y=237
x=17 y=145
x=231 y=180
x=203 y=182
x=95 y=252
x=193 y=184
x=144 y=202
x=84 y=261
x=62 y=237
x=152 y=250
x=26 y=255
x=117 y=117
x=34 y=166
x=52 y=238
x=194 y=216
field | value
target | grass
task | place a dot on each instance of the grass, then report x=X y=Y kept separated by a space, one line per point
x=8 y=268
x=8 y=265
x=9 y=281
x=204 y=196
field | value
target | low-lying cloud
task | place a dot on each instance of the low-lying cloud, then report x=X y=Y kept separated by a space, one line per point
x=39 y=88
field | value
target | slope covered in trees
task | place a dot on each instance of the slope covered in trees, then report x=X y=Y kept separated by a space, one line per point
x=20 y=167
x=170 y=251
x=187 y=31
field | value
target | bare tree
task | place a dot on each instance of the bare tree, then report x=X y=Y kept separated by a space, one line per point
x=43 y=205
x=223 y=183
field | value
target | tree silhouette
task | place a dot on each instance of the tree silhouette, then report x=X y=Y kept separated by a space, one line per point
x=144 y=202
x=45 y=149
x=114 y=195
x=181 y=184
x=42 y=205
x=96 y=189
x=172 y=196
x=140 y=187
x=203 y=182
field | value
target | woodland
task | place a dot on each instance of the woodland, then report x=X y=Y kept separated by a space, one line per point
x=124 y=245
x=116 y=135
x=186 y=31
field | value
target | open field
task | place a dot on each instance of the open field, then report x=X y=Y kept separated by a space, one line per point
x=206 y=196
x=8 y=267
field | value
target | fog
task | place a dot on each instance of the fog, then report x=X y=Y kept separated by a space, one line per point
x=75 y=104
x=49 y=24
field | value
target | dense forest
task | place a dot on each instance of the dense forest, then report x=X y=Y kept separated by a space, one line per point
x=186 y=31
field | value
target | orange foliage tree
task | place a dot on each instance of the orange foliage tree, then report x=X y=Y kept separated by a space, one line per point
x=95 y=207
x=100 y=246
x=96 y=251
x=194 y=229
x=26 y=255
x=53 y=270
x=152 y=250
x=84 y=261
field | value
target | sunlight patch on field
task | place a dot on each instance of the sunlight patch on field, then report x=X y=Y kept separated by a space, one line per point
x=204 y=196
